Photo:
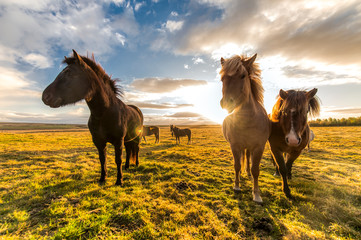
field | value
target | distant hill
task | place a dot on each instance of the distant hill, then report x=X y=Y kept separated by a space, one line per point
x=39 y=126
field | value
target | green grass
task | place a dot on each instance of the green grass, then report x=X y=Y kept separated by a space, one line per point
x=49 y=190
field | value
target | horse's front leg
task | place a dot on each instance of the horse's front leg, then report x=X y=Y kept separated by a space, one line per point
x=290 y=158
x=118 y=160
x=256 y=157
x=102 y=150
x=237 y=155
x=281 y=165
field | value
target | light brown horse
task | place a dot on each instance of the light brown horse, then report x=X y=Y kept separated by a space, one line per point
x=290 y=130
x=150 y=130
x=247 y=128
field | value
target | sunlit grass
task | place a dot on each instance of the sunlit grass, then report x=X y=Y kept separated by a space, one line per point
x=49 y=190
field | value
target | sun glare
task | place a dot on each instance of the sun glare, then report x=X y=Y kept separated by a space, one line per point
x=205 y=100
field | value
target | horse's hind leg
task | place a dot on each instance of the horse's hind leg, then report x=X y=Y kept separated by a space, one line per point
x=118 y=160
x=136 y=146
x=128 y=150
x=248 y=168
x=256 y=157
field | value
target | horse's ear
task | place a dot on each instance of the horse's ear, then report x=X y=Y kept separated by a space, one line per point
x=222 y=61
x=77 y=57
x=283 y=94
x=251 y=60
x=310 y=94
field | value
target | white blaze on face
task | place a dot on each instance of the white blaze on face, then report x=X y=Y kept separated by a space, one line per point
x=293 y=139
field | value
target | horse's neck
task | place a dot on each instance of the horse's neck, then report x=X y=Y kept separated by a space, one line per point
x=248 y=107
x=101 y=102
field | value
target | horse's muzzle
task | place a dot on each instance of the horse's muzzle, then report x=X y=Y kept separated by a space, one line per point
x=293 y=141
x=50 y=100
x=228 y=105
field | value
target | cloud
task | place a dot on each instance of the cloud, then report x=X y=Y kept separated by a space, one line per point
x=186 y=66
x=38 y=60
x=319 y=76
x=162 y=85
x=173 y=26
x=327 y=31
x=351 y=110
x=159 y=105
x=34 y=31
x=138 y=6
x=184 y=115
x=197 y=60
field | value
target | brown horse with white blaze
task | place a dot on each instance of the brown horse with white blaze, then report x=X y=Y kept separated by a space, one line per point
x=290 y=130
x=247 y=128
x=110 y=119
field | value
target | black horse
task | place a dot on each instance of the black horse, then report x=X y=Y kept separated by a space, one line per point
x=148 y=131
x=180 y=133
x=110 y=119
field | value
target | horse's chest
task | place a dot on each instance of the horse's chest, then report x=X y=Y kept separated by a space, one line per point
x=111 y=134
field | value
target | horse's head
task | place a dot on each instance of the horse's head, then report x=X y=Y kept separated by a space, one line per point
x=71 y=85
x=294 y=106
x=235 y=76
x=171 y=129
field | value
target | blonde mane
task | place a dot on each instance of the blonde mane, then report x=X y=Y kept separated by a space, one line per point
x=232 y=66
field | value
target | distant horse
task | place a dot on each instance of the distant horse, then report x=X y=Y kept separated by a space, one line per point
x=290 y=130
x=247 y=128
x=110 y=119
x=180 y=133
x=148 y=131
x=312 y=136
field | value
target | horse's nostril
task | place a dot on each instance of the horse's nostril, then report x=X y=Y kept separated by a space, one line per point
x=299 y=140
x=46 y=98
x=286 y=140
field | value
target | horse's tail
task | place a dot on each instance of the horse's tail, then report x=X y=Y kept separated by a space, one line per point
x=132 y=150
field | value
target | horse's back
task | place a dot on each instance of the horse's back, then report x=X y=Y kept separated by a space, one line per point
x=136 y=112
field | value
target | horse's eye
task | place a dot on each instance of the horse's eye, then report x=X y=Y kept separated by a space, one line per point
x=243 y=75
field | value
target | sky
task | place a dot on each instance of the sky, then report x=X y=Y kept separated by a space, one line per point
x=166 y=54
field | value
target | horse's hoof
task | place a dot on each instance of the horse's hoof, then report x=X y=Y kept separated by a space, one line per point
x=257 y=199
x=276 y=174
x=237 y=189
x=101 y=182
x=119 y=183
x=126 y=167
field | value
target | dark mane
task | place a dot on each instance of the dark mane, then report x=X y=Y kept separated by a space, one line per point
x=99 y=71
x=295 y=98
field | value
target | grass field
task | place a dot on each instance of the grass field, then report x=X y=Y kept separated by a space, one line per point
x=49 y=190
